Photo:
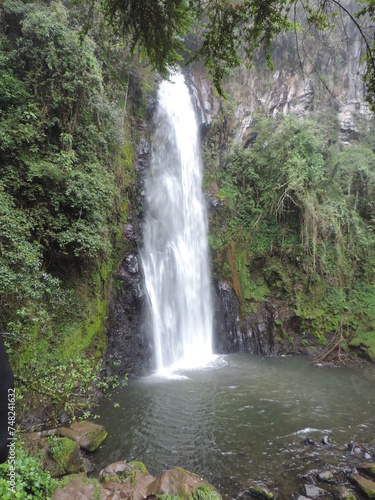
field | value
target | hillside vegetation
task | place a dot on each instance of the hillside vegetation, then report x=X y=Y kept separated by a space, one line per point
x=69 y=118
x=297 y=224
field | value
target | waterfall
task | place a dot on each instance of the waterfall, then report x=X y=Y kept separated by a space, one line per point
x=175 y=254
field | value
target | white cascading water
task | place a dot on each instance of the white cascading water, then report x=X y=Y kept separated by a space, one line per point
x=175 y=255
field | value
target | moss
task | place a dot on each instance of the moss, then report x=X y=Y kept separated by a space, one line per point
x=138 y=465
x=98 y=488
x=366 y=341
x=369 y=492
x=201 y=493
x=96 y=437
x=61 y=451
x=168 y=497
x=205 y=493
x=262 y=492
x=366 y=485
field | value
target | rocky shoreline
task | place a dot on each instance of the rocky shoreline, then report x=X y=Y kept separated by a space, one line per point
x=320 y=469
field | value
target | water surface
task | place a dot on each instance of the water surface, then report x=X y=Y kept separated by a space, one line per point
x=242 y=419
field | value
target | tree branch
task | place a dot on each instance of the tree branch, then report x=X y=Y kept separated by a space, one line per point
x=358 y=26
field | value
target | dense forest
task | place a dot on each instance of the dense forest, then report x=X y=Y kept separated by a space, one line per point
x=296 y=224
x=70 y=113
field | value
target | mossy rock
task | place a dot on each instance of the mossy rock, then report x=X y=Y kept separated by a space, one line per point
x=138 y=466
x=88 y=435
x=117 y=472
x=367 y=468
x=130 y=480
x=78 y=486
x=261 y=491
x=65 y=454
x=366 y=485
x=181 y=483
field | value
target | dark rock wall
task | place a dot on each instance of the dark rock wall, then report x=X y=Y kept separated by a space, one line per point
x=273 y=329
x=129 y=347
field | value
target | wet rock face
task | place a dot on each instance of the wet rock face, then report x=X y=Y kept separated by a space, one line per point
x=273 y=329
x=128 y=346
x=129 y=350
x=206 y=102
x=227 y=320
x=291 y=94
x=252 y=334
x=295 y=87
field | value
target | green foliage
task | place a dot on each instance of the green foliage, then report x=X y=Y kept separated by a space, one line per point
x=226 y=33
x=167 y=497
x=66 y=130
x=233 y=29
x=139 y=466
x=201 y=493
x=298 y=224
x=205 y=493
x=156 y=28
x=31 y=481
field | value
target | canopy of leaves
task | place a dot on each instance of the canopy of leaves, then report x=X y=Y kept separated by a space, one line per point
x=228 y=32
x=156 y=27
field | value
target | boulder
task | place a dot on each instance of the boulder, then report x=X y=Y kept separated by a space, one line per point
x=327 y=440
x=344 y=494
x=87 y=466
x=325 y=475
x=354 y=449
x=63 y=456
x=366 y=485
x=126 y=480
x=35 y=442
x=114 y=471
x=88 y=435
x=178 y=482
x=79 y=487
x=261 y=491
x=313 y=491
x=367 y=468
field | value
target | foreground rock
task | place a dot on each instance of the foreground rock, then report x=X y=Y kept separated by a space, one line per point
x=60 y=448
x=367 y=468
x=178 y=482
x=63 y=457
x=79 y=487
x=345 y=494
x=366 y=485
x=132 y=481
x=127 y=480
x=258 y=491
x=313 y=491
x=88 y=435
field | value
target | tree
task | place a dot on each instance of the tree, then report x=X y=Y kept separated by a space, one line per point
x=229 y=31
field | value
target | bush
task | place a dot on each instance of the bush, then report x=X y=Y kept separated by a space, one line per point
x=31 y=481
